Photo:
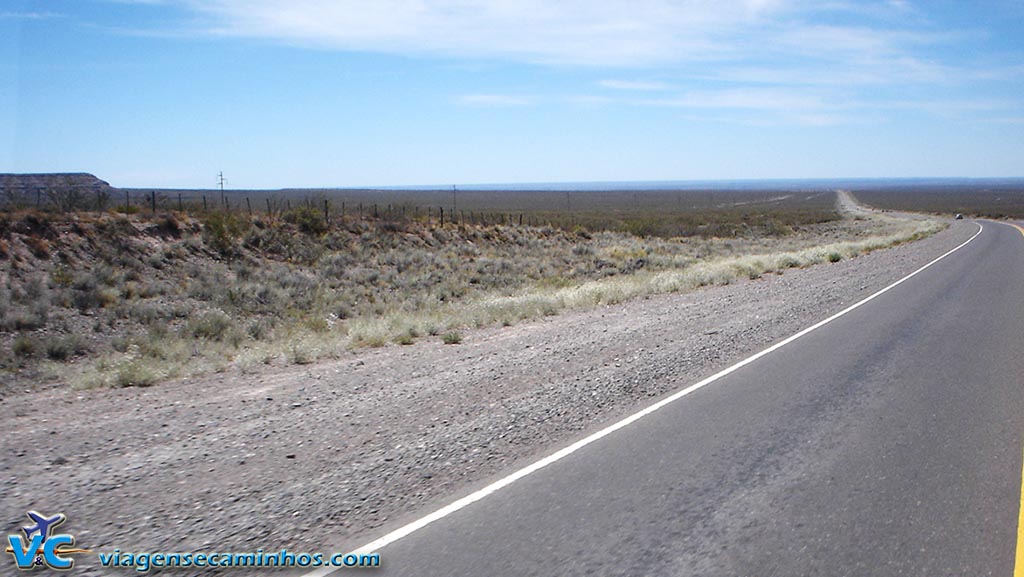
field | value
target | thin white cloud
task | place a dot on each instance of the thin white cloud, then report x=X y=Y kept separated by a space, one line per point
x=852 y=72
x=29 y=15
x=761 y=99
x=828 y=40
x=1012 y=120
x=590 y=100
x=633 y=85
x=581 y=32
x=796 y=100
x=822 y=119
x=759 y=106
x=494 y=100
x=953 y=107
x=805 y=60
x=876 y=43
x=998 y=73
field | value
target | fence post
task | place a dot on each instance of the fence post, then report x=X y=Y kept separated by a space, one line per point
x=327 y=219
x=153 y=201
x=204 y=203
x=440 y=210
x=248 y=205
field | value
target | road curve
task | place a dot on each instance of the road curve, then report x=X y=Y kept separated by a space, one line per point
x=887 y=442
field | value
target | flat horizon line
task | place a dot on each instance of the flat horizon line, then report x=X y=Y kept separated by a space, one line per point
x=632 y=185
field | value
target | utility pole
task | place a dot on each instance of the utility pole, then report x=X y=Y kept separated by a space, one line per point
x=221 y=181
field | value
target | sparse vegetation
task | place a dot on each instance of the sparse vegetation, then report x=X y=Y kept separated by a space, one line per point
x=992 y=200
x=222 y=229
x=24 y=347
x=123 y=300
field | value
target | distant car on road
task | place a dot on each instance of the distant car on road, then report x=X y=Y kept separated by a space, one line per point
x=959 y=216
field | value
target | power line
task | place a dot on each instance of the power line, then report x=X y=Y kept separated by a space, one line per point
x=220 y=181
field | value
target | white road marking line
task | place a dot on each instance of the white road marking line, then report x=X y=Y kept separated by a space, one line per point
x=443 y=512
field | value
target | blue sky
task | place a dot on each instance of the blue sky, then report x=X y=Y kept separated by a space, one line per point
x=306 y=93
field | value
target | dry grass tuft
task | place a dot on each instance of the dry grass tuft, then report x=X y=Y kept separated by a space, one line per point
x=132 y=301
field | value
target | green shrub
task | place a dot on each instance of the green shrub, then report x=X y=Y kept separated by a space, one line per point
x=317 y=324
x=107 y=297
x=261 y=329
x=407 y=337
x=84 y=300
x=789 y=261
x=31 y=320
x=61 y=277
x=222 y=229
x=24 y=347
x=63 y=348
x=308 y=219
x=213 y=326
x=374 y=341
x=452 y=338
x=300 y=355
x=135 y=374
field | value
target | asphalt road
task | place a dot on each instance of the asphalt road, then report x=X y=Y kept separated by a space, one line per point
x=887 y=442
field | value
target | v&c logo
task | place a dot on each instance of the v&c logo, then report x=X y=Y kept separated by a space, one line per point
x=41 y=547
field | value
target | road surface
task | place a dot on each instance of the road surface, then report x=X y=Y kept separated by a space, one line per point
x=886 y=442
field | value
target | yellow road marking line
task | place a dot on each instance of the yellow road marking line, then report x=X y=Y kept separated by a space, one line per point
x=1018 y=561
x=1018 y=565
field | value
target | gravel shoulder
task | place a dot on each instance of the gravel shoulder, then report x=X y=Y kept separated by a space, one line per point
x=327 y=456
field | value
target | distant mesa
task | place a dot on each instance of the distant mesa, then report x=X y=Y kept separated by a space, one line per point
x=27 y=189
x=42 y=182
